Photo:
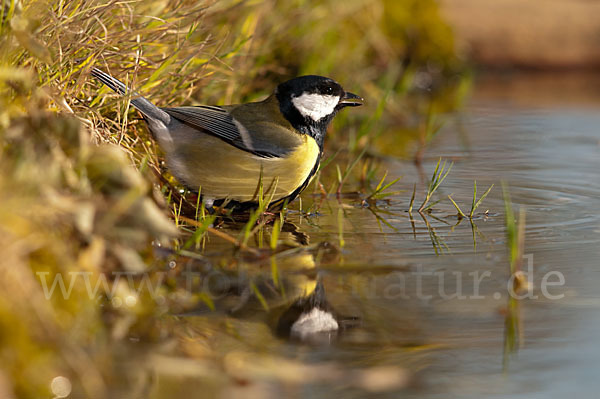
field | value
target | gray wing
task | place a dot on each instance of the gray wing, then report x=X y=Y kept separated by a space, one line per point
x=258 y=138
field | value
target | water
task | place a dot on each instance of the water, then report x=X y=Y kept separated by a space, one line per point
x=549 y=154
x=411 y=333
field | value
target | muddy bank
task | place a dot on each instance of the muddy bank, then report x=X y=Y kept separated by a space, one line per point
x=548 y=34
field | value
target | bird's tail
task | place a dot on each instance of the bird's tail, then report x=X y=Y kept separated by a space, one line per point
x=148 y=109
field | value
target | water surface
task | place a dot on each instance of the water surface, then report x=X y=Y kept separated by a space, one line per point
x=414 y=329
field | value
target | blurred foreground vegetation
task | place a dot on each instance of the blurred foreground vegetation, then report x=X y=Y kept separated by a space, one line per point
x=80 y=188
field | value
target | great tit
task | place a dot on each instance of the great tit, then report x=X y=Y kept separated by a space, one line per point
x=308 y=316
x=227 y=151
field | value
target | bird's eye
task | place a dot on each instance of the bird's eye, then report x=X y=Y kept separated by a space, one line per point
x=328 y=90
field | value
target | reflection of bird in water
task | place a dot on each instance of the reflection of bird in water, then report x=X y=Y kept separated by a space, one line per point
x=308 y=316
x=282 y=289
x=285 y=292
x=301 y=310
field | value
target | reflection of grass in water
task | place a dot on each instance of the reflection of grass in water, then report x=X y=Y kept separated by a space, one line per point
x=438 y=177
x=439 y=245
x=515 y=238
x=475 y=232
x=513 y=330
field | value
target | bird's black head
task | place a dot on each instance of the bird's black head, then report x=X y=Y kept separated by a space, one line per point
x=310 y=103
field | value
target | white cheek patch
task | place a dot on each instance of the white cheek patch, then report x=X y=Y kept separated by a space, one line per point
x=313 y=322
x=315 y=106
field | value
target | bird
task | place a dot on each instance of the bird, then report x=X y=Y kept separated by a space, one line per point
x=226 y=152
x=308 y=316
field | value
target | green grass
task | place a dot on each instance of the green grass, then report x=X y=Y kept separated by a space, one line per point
x=515 y=233
x=380 y=191
x=461 y=214
x=342 y=177
x=515 y=237
x=475 y=204
x=438 y=177
x=412 y=199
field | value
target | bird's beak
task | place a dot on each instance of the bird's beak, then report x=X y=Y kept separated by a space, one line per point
x=350 y=100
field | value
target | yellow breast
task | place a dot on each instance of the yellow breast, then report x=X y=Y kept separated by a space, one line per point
x=224 y=171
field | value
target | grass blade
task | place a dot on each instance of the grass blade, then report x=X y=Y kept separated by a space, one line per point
x=437 y=179
x=476 y=204
x=460 y=212
x=412 y=198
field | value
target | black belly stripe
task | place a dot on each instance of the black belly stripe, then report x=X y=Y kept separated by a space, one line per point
x=279 y=203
